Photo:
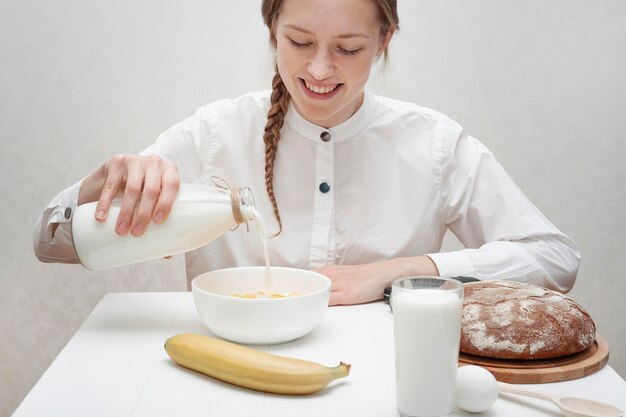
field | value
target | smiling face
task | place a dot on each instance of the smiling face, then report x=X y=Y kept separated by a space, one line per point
x=325 y=51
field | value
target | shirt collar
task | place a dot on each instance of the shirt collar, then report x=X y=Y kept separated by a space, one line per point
x=346 y=130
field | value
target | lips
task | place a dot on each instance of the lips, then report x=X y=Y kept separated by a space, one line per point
x=321 y=90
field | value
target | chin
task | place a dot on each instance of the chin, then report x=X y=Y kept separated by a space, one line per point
x=316 y=115
x=320 y=119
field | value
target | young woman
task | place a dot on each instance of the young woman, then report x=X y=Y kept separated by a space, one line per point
x=359 y=187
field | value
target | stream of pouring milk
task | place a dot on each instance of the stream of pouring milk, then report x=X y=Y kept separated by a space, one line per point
x=262 y=235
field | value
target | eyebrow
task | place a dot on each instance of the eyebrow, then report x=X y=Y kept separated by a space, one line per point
x=342 y=36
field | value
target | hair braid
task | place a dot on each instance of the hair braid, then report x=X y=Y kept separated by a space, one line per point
x=279 y=101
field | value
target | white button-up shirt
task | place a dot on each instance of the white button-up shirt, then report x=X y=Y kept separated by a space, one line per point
x=388 y=182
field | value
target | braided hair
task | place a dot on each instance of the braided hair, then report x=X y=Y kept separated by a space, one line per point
x=279 y=103
x=279 y=100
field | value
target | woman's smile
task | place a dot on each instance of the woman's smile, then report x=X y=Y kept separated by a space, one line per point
x=320 y=92
x=325 y=51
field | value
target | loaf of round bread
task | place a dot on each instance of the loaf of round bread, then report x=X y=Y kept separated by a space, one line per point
x=513 y=320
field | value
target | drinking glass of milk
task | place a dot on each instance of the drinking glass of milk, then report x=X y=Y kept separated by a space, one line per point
x=427 y=332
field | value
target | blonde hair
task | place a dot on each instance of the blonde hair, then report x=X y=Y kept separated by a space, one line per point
x=279 y=99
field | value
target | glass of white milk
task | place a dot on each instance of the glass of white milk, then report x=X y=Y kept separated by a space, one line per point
x=427 y=331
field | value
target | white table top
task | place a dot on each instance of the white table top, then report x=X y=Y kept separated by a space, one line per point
x=116 y=365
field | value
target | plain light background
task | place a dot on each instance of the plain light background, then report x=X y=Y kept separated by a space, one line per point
x=541 y=82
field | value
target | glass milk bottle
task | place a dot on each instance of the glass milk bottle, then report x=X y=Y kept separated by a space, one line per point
x=200 y=214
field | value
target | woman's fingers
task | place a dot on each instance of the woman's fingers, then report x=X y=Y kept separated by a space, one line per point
x=355 y=284
x=130 y=199
x=149 y=186
x=150 y=173
x=113 y=178
x=170 y=184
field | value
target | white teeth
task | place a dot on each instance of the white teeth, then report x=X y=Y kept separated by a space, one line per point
x=320 y=90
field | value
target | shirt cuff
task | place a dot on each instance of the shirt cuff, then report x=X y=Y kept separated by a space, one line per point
x=64 y=204
x=453 y=264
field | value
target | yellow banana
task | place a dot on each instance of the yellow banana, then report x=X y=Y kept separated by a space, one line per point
x=251 y=368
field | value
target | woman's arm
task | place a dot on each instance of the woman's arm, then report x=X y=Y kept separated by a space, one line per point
x=52 y=239
x=356 y=284
x=148 y=185
x=505 y=235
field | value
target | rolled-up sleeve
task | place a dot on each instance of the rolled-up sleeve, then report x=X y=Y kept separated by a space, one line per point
x=52 y=237
x=505 y=235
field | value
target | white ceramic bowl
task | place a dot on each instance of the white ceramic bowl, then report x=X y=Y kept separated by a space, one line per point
x=260 y=321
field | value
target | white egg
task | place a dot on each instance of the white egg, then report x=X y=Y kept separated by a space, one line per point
x=476 y=389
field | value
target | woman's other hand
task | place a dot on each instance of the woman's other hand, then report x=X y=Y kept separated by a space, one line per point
x=148 y=186
x=358 y=284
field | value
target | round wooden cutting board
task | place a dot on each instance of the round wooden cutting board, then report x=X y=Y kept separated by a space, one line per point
x=541 y=371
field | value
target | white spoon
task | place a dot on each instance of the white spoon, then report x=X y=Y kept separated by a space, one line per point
x=570 y=406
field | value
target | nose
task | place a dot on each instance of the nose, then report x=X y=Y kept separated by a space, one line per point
x=321 y=65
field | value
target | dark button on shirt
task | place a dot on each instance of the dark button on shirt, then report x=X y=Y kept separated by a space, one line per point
x=68 y=212
x=325 y=136
x=324 y=187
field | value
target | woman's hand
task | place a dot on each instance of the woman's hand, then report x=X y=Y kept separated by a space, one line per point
x=148 y=186
x=358 y=284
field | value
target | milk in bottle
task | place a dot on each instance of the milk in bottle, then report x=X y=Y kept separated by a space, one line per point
x=200 y=214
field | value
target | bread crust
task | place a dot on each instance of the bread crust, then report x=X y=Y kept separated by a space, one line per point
x=513 y=320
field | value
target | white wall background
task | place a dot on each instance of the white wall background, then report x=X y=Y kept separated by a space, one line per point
x=541 y=82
